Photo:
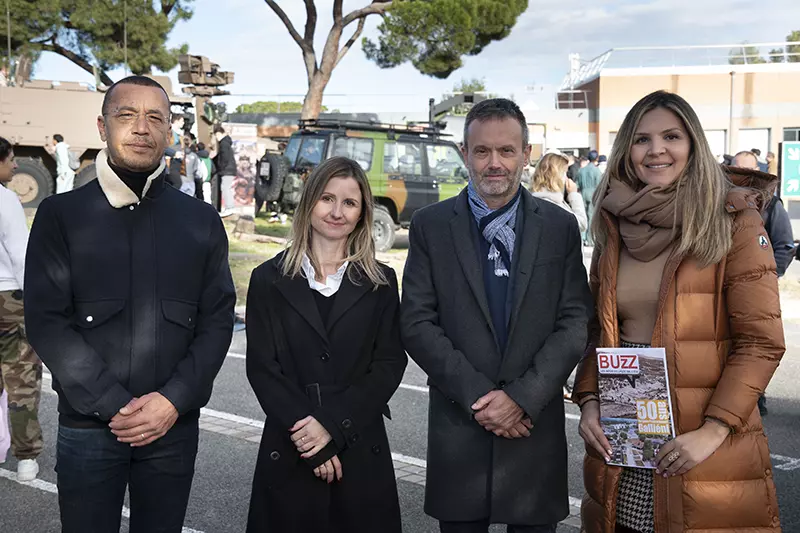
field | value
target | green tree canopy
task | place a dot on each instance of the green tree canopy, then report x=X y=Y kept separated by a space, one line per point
x=92 y=33
x=790 y=52
x=272 y=107
x=745 y=55
x=434 y=35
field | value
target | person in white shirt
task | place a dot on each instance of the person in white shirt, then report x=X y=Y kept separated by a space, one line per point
x=66 y=176
x=20 y=367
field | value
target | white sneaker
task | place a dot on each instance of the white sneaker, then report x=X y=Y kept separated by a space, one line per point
x=27 y=470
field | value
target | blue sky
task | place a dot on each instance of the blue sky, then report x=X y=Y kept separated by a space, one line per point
x=246 y=37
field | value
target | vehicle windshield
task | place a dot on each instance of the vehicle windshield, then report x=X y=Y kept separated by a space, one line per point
x=292 y=147
x=311 y=152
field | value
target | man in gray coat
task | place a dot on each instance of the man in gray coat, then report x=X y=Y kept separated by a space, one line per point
x=495 y=308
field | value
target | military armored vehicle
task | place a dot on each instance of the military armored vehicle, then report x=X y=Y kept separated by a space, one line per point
x=30 y=115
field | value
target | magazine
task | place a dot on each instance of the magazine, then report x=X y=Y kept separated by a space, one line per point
x=635 y=404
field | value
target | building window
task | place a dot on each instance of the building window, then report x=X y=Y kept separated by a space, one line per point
x=791 y=134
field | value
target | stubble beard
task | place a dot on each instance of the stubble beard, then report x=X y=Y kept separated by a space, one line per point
x=497 y=190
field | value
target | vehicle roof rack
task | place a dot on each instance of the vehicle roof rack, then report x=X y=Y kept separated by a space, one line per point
x=412 y=128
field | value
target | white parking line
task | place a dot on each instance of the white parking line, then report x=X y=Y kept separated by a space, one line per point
x=53 y=489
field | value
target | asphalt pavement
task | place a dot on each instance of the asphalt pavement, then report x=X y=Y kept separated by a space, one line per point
x=228 y=447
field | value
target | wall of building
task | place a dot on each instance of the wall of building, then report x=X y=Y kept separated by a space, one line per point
x=765 y=97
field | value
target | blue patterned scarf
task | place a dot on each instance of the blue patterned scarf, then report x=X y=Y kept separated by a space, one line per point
x=497 y=227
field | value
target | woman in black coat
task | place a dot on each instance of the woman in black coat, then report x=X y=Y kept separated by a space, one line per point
x=324 y=356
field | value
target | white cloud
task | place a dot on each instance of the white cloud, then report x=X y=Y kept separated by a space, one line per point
x=246 y=37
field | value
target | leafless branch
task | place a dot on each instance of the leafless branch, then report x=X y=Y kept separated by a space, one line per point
x=337 y=11
x=311 y=22
x=288 y=23
x=353 y=39
x=375 y=8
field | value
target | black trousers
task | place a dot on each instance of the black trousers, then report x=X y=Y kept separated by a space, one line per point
x=482 y=526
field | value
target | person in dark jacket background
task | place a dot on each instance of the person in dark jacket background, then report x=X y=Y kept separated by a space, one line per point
x=324 y=356
x=225 y=162
x=779 y=230
x=129 y=302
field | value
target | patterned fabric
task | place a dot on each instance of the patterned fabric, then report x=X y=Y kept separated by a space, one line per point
x=497 y=227
x=20 y=377
x=635 y=496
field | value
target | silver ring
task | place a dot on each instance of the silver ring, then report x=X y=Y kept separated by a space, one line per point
x=673 y=457
x=302 y=440
x=142 y=436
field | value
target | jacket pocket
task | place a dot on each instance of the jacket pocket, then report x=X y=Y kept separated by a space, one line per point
x=91 y=314
x=180 y=312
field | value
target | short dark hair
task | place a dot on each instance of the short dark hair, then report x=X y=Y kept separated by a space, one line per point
x=592 y=156
x=219 y=129
x=756 y=152
x=58 y=138
x=201 y=146
x=496 y=109
x=142 y=81
x=5 y=149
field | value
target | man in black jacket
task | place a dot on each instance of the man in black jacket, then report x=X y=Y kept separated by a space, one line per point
x=129 y=302
x=226 y=167
x=779 y=229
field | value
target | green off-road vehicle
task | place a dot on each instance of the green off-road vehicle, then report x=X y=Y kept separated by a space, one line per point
x=408 y=167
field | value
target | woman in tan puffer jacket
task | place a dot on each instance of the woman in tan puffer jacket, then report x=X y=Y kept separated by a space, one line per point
x=682 y=262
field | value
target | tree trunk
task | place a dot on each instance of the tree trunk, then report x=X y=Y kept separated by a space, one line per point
x=23 y=70
x=312 y=105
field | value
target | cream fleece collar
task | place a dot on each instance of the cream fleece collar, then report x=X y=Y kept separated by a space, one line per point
x=117 y=193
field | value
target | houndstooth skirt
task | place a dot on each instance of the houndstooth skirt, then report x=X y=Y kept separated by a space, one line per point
x=635 y=496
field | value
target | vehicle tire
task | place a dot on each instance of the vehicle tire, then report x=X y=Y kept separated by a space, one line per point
x=32 y=181
x=87 y=174
x=270 y=189
x=383 y=229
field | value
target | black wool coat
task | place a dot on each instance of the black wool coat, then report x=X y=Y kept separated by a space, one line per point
x=126 y=297
x=447 y=329
x=343 y=373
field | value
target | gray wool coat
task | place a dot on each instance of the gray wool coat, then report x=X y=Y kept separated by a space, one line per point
x=447 y=329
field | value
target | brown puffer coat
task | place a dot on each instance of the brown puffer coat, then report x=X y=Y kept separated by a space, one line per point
x=722 y=330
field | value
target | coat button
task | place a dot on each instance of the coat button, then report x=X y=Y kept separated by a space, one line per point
x=90 y=318
x=354 y=438
x=275 y=456
x=96 y=414
x=768 y=471
x=325 y=357
x=131 y=208
x=502 y=384
x=376 y=449
x=347 y=423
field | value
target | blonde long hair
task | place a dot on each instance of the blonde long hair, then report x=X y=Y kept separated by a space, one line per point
x=549 y=173
x=360 y=246
x=701 y=188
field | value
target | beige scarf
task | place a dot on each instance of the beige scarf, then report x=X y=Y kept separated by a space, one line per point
x=647 y=218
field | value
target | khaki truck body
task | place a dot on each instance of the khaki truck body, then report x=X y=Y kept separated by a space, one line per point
x=32 y=114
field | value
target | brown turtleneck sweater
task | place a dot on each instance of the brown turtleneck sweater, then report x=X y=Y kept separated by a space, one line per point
x=638 y=284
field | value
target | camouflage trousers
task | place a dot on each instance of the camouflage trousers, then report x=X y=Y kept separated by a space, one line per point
x=20 y=377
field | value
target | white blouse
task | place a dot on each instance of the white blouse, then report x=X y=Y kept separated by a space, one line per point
x=332 y=283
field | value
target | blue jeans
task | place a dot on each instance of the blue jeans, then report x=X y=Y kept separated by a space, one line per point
x=94 y=470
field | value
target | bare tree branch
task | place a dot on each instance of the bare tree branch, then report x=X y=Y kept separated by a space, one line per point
x=349 y=43
x=78 y=60
x=311 y=22
x=288 y=23
x=337 y=11
x=375 y=8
